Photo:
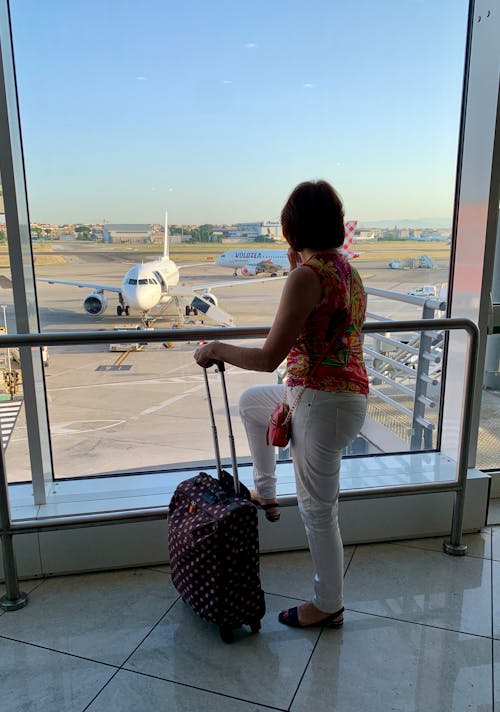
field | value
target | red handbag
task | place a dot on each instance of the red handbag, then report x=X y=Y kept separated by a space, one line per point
x=279 y=429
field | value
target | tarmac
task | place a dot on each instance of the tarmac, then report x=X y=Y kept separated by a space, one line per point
x=151 y=412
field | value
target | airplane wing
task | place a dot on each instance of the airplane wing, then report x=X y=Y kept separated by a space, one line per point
x=89 y=285
x=234 y=283
x=194 y=264
x=268 y=264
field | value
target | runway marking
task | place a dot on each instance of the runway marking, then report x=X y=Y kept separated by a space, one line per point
x=81 y=368
x=9 y=410
x=147 y=382
x=160 y=406
x=63 y=429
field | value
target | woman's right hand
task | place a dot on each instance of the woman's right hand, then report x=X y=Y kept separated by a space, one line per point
x=295 y=258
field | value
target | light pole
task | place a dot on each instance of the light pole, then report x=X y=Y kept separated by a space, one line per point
x=4 y=307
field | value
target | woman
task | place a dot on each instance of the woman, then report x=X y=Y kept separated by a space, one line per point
x=318 y=328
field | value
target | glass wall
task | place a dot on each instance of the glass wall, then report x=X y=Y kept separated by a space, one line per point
x=214 y=114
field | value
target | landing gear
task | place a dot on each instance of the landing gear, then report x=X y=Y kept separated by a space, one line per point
x=127 y=310
x=191 y=311
x=119 y=310
x=235 y=273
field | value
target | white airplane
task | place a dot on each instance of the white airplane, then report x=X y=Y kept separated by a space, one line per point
x=251 y=262
x=434 y=237
x=149 y=285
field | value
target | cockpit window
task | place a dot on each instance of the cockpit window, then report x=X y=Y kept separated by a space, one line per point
x=132 y=281
x=160 y=280
x=143 y=281
x=152 y=281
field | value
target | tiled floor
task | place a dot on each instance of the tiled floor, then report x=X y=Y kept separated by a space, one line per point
x=422 y=634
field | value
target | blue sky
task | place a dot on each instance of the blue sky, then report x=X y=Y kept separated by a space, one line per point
x=215 y=111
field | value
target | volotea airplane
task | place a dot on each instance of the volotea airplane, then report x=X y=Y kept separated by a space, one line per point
x=153 y=284
x=251 y=262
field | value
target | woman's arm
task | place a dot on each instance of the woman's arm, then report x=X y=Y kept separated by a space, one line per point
x=301 y=293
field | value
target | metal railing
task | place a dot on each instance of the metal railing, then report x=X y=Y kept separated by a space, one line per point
x=15 y=599
x=405 y=365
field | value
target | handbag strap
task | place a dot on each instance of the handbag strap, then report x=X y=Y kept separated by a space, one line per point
x=336 y=334
x=299 y=395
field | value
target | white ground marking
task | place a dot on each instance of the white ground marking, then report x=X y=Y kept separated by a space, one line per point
x=64 y=429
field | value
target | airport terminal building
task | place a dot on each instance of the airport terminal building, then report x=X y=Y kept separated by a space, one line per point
x=127 y=233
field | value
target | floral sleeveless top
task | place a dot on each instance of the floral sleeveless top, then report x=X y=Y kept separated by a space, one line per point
x=343 y=303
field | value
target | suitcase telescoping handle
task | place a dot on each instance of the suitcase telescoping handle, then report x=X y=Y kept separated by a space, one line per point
x=221 y=369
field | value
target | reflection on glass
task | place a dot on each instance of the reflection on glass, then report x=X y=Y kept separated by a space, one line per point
x=217 y=126
x=12 y=415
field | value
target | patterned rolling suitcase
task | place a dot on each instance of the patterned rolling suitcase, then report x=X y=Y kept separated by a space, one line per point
x=214 y=542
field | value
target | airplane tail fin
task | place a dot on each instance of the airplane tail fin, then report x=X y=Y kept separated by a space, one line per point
x=350 y=226
x=165 y=238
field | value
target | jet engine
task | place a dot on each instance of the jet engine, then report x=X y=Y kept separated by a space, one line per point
x=249 y=270
x=95 y=304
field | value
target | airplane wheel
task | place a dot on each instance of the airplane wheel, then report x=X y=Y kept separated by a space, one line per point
x=119 y=310
x=285 y=274
x=127 y=310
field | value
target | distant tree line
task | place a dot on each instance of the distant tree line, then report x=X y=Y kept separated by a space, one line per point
x=264 y=238
x=203 y=233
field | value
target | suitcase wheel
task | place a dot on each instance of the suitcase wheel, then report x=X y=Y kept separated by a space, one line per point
x=226 y=633
x=255 y=626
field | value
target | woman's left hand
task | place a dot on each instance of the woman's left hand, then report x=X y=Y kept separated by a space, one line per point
x=205 y=355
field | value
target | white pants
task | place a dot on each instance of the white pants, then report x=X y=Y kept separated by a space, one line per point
x=323 y=424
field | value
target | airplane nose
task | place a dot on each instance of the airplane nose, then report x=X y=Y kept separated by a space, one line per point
x=138 y=298
x=145 y=301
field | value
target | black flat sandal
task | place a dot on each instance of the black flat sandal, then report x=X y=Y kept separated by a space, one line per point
x=291 y=617
x=270 y=516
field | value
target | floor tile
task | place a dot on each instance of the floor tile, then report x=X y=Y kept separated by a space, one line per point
x=165 y=569
x=100 y=616
x=291 y=573
x=264 y=668
x=377 y=664
x=36 y=680
x=132 y=692
x=494 y=511
x=477 y=544
x=421 y=586
x=496 y=674
x=496 y=598
x=24 y=587
x=495 y=542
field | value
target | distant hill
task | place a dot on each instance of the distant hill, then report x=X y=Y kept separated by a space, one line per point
x=408 y=222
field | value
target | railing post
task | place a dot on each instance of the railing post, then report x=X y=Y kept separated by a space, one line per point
x=421 y=387
x=454 y=545
x=14 y=598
